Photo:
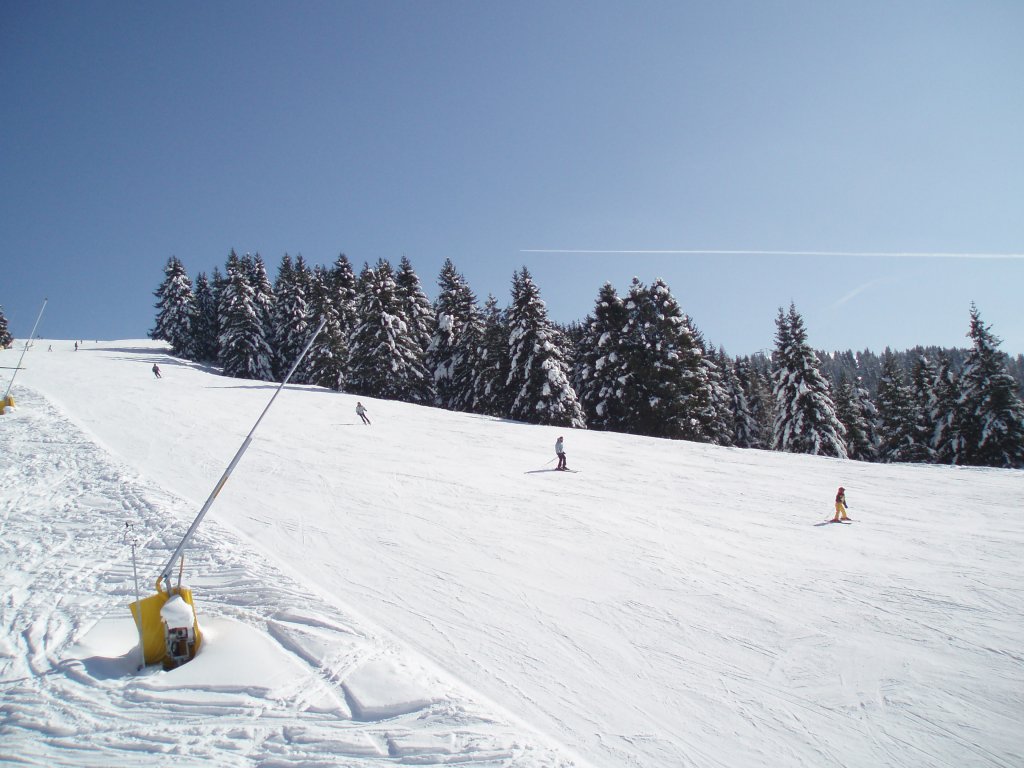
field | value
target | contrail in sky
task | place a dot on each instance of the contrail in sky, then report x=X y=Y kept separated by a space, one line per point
x=865 y=254
x=856 y=291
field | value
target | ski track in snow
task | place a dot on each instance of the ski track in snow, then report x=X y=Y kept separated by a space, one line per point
x=349 y=697
x=671 y=605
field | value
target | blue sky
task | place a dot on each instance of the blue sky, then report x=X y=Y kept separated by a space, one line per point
x=134 y=131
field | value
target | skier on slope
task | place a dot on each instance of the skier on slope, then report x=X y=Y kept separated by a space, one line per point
x=361 y=410
x=156 y=371
x=840 y=506
x=560 y=453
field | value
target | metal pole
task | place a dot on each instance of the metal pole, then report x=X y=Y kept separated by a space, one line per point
x=138 y=601
x=165 y=574
x=30 y=337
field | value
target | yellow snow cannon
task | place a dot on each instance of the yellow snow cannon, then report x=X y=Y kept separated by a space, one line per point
x=168 y=626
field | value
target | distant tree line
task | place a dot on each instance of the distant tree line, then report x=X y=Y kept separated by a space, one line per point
x=636 y=364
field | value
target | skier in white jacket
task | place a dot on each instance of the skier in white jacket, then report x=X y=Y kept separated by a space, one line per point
x=560 y=452
x=361 y=410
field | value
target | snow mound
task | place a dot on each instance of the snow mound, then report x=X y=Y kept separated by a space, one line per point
x=233 y=657
x=177 y=613
x=386 y=688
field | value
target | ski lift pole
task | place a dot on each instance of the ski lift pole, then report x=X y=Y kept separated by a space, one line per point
x=165 y=574
x=29 y=341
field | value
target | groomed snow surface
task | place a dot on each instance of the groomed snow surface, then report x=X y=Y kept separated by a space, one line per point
x=427 y=591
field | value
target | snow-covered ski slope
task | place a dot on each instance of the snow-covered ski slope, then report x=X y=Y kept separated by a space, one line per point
x=423 y=591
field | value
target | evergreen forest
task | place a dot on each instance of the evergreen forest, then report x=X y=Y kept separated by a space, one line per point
x=637 y=364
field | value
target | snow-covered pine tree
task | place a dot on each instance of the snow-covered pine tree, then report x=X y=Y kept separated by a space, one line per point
x=491 y=394
x=6 y=340
x=702 y=421
x=865 y=405
x=263 y=298
x=345 y=293
x=897 y=414
x=369 y=354
x=419 y=316
x=175 y=307
x=441 y=351
x=603 y=374
x=721 y=420
x=741 y=420
x=805 y=416
x=756 y=380
x=204 y=321
x=667 y=394
x=577 y=370
x=992 y=430
x=857 y=413
x=749 y=431
x=418 y=311
x=538 y=375
x=450 y=357
x=279 y=314
x=244 y=350
x=291 y=317
x=384 y=360
x=651 y=393
x=218 y=285
x=467 y=360
x=945 y=413
x=329 y=353
x=570 y=339
x=922 y=382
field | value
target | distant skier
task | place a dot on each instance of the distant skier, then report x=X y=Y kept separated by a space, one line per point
x=361 y=410
x=560 y=453
x=840 y=506
x=156 y=371
x=76 y=346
